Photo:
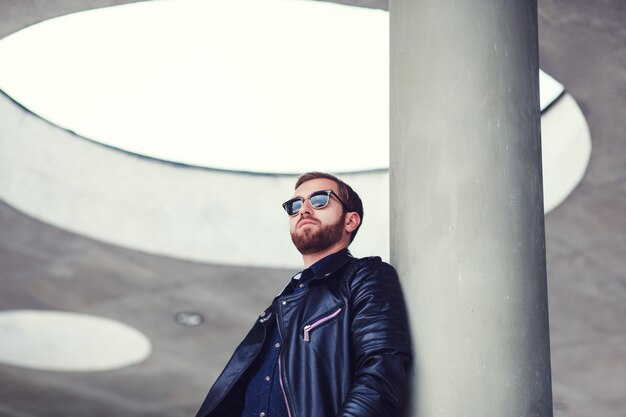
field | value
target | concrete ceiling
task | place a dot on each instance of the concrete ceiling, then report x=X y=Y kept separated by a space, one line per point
x=582 y=44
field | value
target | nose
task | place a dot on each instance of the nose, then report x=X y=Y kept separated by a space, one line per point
x=307 y=208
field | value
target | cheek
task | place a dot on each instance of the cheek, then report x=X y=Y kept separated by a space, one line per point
x=330 y=218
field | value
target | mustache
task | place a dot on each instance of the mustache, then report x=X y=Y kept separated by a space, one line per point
x=308 y=218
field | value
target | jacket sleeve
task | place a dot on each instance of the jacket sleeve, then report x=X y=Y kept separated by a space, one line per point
x=381 y=344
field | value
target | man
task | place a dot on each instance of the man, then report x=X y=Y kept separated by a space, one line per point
x=335 y=341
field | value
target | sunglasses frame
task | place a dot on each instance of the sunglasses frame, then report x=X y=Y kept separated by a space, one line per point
x=328 y=193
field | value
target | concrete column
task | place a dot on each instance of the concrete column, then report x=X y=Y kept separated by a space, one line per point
x=467 y=225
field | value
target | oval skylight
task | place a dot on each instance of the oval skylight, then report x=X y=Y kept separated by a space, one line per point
x=284 y=87
x=252 y=85
x=63 y=341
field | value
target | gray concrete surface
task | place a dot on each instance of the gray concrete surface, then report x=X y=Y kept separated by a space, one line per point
x=465 y=152
x=582 y=44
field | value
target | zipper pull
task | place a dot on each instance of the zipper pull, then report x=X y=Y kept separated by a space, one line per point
x=307 y=329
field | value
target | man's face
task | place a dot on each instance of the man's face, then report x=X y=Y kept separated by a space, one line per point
x=315 y=230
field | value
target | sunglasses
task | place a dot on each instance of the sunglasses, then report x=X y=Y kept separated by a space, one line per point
x=318 y=200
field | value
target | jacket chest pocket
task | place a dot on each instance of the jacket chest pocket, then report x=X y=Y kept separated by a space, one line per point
x=319 y=322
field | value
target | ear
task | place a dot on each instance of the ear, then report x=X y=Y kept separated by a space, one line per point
x=353 y=220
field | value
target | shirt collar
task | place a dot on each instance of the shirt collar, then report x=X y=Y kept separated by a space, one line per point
x=327 y=264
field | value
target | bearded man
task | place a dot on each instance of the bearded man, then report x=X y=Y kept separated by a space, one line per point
x=335 y=341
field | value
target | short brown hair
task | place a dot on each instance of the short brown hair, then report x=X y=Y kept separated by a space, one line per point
x=346 y=193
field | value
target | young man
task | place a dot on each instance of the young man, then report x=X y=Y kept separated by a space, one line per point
x=336 y=341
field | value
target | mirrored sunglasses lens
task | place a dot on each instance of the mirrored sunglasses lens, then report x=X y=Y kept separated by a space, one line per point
x=294 y=207
x=319 y=200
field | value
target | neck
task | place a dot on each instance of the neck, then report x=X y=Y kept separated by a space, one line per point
x=310 y=258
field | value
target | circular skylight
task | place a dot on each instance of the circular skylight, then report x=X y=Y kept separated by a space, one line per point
x=63 y=341
x=278 y=86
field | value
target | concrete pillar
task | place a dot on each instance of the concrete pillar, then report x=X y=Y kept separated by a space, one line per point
x=467 y=225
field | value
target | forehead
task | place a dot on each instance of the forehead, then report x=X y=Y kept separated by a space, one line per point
x=317 y=184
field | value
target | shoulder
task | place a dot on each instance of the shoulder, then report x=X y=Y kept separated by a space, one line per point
x=371 y=263
x=368 y=268
x=374 y=289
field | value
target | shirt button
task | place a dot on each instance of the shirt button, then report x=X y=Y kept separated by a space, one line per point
x=277 y=345
x=301 y=285
x=284 y=302
x=267 y=378
x=262 y=414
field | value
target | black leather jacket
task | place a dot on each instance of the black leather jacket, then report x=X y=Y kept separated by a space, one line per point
x=345 y=346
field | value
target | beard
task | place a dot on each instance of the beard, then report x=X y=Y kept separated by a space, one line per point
x=309 y=241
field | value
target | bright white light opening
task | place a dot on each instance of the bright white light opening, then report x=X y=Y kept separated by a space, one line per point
x=549 y=90
x=253 y=85
x=279 y=86
x=64 y=341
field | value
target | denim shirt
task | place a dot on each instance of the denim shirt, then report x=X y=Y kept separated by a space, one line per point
x=264 y=396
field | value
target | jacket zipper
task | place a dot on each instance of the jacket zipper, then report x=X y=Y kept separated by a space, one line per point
x=282 y=387
x=280 y=371
x=307 y=329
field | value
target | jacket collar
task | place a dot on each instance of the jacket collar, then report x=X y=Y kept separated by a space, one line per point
x=338 y=261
